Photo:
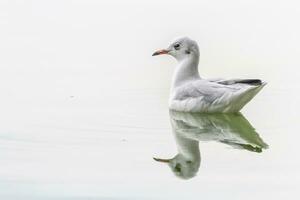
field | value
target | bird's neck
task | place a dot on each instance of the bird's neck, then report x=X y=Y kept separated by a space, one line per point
x=186 y=70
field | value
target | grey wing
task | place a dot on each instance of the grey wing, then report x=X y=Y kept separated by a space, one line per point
x=204 y=95
x=206 y=90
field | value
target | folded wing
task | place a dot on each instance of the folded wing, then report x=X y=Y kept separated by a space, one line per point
x=216 y=96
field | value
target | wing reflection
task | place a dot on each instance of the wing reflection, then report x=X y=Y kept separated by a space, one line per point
x=190 y=128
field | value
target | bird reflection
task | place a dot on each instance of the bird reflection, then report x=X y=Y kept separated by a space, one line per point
x=190 y=128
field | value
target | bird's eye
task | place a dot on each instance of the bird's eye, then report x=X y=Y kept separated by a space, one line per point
x=177 y=46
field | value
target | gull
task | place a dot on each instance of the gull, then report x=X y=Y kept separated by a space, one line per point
x=191 y=93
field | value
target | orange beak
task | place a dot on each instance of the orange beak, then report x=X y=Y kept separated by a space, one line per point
x=160 y=52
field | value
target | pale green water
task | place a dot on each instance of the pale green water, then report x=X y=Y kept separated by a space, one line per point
x=84 y=105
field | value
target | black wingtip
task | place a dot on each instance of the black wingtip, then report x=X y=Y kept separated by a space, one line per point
x=251 y=81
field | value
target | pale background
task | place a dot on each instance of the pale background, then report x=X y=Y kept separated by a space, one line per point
x=84 y=105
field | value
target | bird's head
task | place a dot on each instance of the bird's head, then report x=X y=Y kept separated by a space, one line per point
x=181 y=48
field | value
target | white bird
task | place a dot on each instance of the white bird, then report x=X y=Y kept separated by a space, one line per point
x=191 y=93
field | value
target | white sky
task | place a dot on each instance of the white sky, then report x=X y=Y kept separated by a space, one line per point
x=46 y=44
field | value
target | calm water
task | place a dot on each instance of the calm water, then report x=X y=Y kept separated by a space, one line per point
x=79 y=148
x=84 y=105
